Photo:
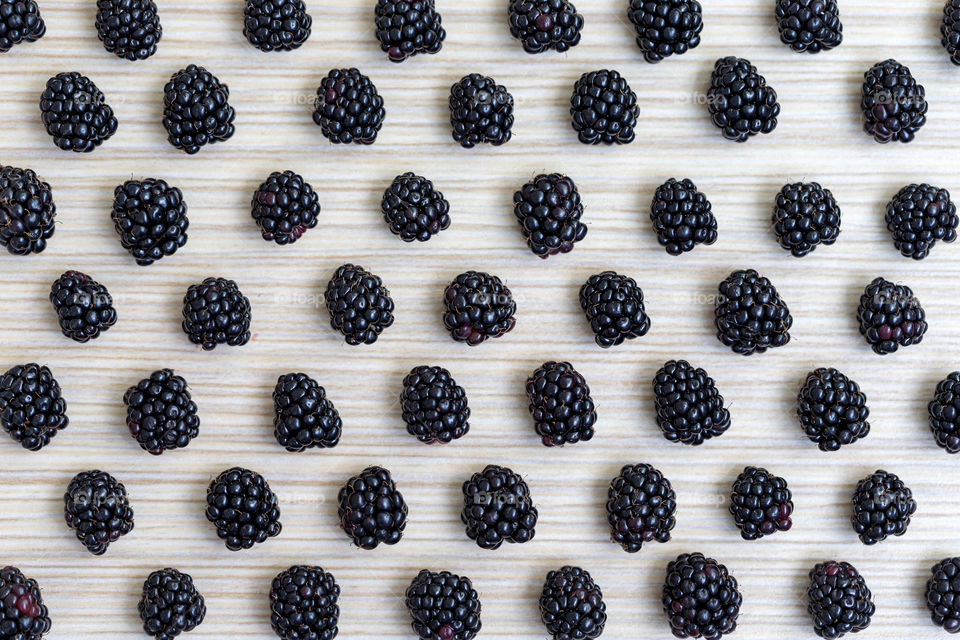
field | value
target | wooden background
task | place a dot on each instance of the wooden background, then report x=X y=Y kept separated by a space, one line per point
x=818 y=138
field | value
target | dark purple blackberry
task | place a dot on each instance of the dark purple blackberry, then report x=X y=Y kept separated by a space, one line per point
x=413 y=209
x=478 y=306
x=23 y=616
x=215 y=311
x=751 y=317
x=761 y=503
x=285 y=207
x=944 y=412
x=170 y=604
x=641 y=505
x=497 y=508
x=571 y=605
x=303 y=604
x=360 y=306
x=434 y=406
x=890 y=316
x=614 y=307
x=75 y=113
x=20 y=22
x=666 y=27
x=700 y=597
x=809 y=25
x=481 y=111
x=548 y=209
x=918 y=216
x=348 y=108
x=949 y=30
x=32 y=410
x=689 y=406
x=943 y=594
x=739 y=100
x=604 y=108
x=805 y=215
x=443 y=606
x=303 y=416
x=832 y=410
x=97 y=509
x=838 y=600
x=242 y=507
x=682 y=216
x=408 y=27
x=541 y=25
x=150 y=217
x=882 y=506
x=27 y=211
x=161 y=415
x=84 y=306
x=894 y=105
x=276 y=25
x=129 y=28
x=196 y=109
x=371 y=509
x=561 y=405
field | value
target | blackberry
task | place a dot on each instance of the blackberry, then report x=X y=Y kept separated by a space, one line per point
x=75 y=113
x=32 y=410
x=413 y=209
x=561 y=405
x=408 y=27
x=303 y=416
x=481 y=111
x=84 y=306
x=242 y=507
x=700 y=598
x=832 y=410
x=641 y=505
x=150 y=217
x=761 y=503
x=129 y=29
x=548 y=209
x=890 y=316
x=604 y=108
x=949 y=30
x=894 y=105
x=170 y=604
x=216 y=312
x=838 y=600
x=161 y=414
x=689 y=406
x=882 y=506
x=751 y=317
x=614 y=307
x=739 y=100
x=20 y=22
x=571 y=605
x=944 y=412
x=497 y=507
x=196 y=109
x=285 y=207
x=97 y=509
x=805 y=215
x=276 y=25
x=23 y=615
x=27 y=211
x=371 y=509
x=809 y=25
x=434 y=406
x=348 y=108
x=682 y=216
x=943 y=594
x=666 y=27
x=478 y=306
x=918 y=216
x=360 y=306
x=303 y=604
x=443 y=606
x=541 y=25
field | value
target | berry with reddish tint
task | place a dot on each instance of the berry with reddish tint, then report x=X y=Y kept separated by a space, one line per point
x=761 y=503
x=97 y=509
x=284 y=207
x=571 y=605
x=406 y=28
x=541 y=25
x=893 y=103
x=443 y=606
x=478 y=307
x=641 y=506
x=838 y=600
x=890 y=316
x=548 y=209
x=372 y=510
x=23 y=616
x=700 y=597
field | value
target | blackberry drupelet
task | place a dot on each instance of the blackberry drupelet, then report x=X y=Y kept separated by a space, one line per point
x=689 y=406
x=23 y=616
x=541 y=25
x=303 y=604
x=805 y=215
x=196 y=109
x=478 y=307
x=739 y=100
x=641 y=505
x=832 y=410
x=603 y=108
x=413 y=209
x=348 y=108
x=894 y=105
x=890 y=316
x=838 y=600
x=809 y=25
x=443 y=606
x=216 y=312
x=561 y=405
x=548 y=209
x=944 y=412
x=943 y=594
x=497 y=508
x=571 y=605
x=700 y=597
x=360 y=306
x=170 y=604
x=682 y=216
x=666 y=27
x=614 y=307
x=761 y=503
x=949 y=30
x=303 y=416
x=408 y=27
x=242 y=507
x=27 y=211
x=84 y=306
x=481 y=111
x=371 y=509
x=276 y=25
x=20 y=22
x=161 y=414
x=435 y=407
x=918 y=216
x=75 y=113
x=751 y=317
x=882 y=506
x=129 y=29
x=97 y=509
x=150 y=217
x=285 y=207
x=32 y=409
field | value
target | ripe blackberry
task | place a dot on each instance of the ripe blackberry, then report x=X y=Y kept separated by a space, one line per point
x=944 y=412
x=541 y=25
x=303 y=604
x=161 y=414
x=571 y=605
x=614 y=307
x=604 y=108
x=838 y=600
x=497 y=507
x=408 y=27
x=809 y=25
x=700 y=598
x=150 y=217
x=890 y=316
x=170 y=604
x=97 y=509
x=894 y=105
x=434 y=406
x=481 y=111
x=129 y=29
x=478 y=306
x=949 y=30
x=196 y=109
x=739 y=100
x=371 y=509
x=666 y=27
x=216 y=312
x=548 y=209
x=751 y=317
x=443 y=606
x=242 y=507
x=303 y=416
x=805 y=215
x=918 y=216
x=761 y=503
x=640 y=507
x=413 y=209
x=20 y=22
x=284 y=207
x=75 y=113
x=32 y=410
x=348 y=108
x=832 y=410
x=276 y=25
x=682 y=216
x=27 y=211
x=882 y=506
x=690 y=408
x=561 y=405
x=84 y=306
x=360 y=306
x=943 y=594
x=23 y=615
